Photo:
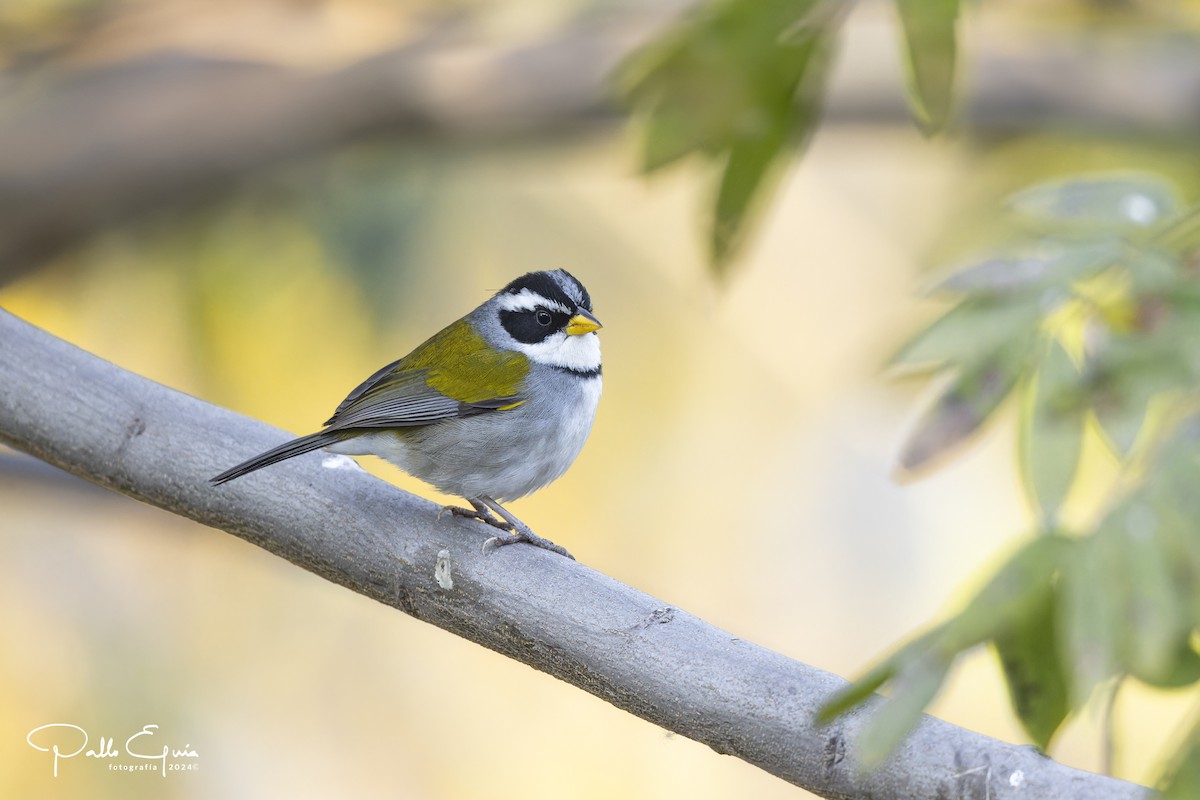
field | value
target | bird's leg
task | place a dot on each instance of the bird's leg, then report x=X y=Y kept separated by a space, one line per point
x=480 y=513
x=520 y=531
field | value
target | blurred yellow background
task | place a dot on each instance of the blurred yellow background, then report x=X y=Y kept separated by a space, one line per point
x=740 y=466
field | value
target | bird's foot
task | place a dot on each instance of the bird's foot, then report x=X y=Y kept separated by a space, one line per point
x=479 y=512
x=522 y=533
x=483 y=508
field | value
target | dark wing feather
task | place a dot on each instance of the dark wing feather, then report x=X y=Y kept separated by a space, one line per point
x=401 y=399
x=393 y=397
x=397 y=400
x=363 y=388
x=414 y=390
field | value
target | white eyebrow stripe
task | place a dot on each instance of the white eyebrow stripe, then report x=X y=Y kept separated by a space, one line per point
x=528 y=300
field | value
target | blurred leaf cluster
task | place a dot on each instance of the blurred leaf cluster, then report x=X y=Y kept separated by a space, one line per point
x=1090 y=319
x=740 y=83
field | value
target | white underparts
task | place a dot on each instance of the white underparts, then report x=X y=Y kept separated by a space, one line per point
x=580 y=353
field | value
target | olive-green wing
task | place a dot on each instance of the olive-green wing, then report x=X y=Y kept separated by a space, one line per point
x=454 y=374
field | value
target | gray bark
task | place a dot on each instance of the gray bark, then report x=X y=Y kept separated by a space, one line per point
x=639 y=653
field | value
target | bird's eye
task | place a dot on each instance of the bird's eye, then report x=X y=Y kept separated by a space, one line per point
x=543 y=317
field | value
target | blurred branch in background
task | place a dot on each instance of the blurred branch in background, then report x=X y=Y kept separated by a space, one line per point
x=106 y=147
x=84 y=148
x=124 y=432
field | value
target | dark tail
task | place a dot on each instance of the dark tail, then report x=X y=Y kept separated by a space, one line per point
x=305 y=444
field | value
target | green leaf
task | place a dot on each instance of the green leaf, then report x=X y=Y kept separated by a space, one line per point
x=869 y=682
x=1161 y=354
x=1129 y=202
x=966 y=404
x=929 y=59
x=1064 y=263
x=667 y=137
x=1181 y=779
x=743 y=177
x=1182 y=299
x=973 y=327
x=1141 y=580
x=1121 y=419
x=1090 y=618
x=1038 y=681
x=1170 y=490
x=1181 y=233
x=1126 y=372
x=1000 y=275
x=1183 y=551
x=754 y=153
x=915 y=672
x=1153 y=269
x=914 y=687
x=739 y=84
x=857 y=692
x=1015 y=591
x=1183 y=668
x=1050 y=433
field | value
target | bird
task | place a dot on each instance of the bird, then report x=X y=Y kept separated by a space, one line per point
x=491 y=408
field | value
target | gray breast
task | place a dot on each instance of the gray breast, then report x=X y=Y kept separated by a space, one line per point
x=506 y=454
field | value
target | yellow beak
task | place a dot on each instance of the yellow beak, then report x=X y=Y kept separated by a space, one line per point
x=583 y=322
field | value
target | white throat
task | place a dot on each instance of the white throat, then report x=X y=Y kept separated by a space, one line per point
x=580 y=353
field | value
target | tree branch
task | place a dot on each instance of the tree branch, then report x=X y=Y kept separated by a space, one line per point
x=139 y=438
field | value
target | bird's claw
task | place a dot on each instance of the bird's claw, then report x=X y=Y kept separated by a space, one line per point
x=517 y=531
x=527 y=536
x=468 y=513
